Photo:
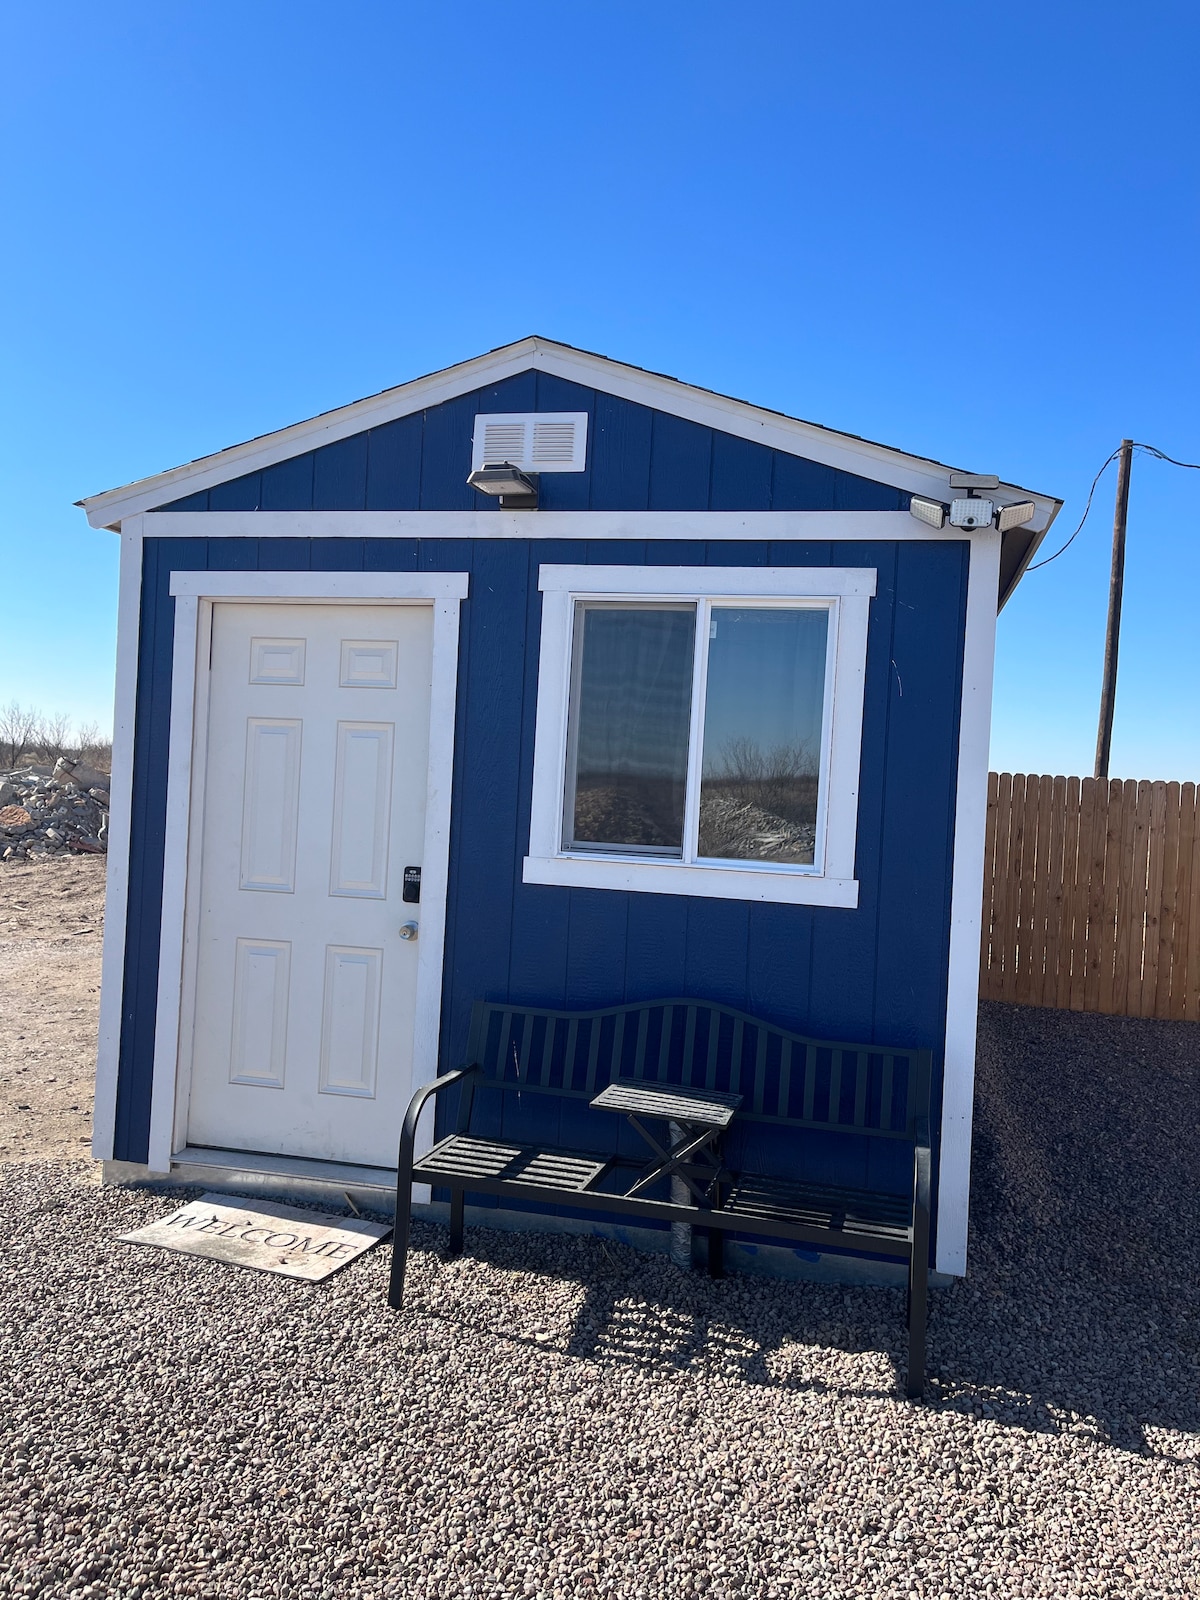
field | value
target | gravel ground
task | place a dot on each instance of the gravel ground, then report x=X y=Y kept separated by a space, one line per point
x=558 y=1418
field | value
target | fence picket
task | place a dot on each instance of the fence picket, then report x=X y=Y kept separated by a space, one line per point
x=1079 y=893
x=1034 y=951
x=1167 y=902
x=1035 y=968
x=1107 y=949
x=1137 y=899
x=1189 y=886
x=1094 y=958
x=1021 y=848
x=1156 y=840
x=1191 y=1003
x=1124 y=931
x=1001 y=939
x=1054 y=889
x=988 y=920
x=1066 y=943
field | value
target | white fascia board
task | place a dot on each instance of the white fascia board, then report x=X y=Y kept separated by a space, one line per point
x=881 y=462
x=103 y=510
x=823 y=445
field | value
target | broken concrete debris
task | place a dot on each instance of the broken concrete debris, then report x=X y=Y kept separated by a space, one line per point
x=47 y=812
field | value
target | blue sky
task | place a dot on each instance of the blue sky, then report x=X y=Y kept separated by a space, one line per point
x=969 y=230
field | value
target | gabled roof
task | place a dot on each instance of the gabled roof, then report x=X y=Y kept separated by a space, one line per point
x=884 y=463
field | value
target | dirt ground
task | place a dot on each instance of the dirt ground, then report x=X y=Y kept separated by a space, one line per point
x=51 y=919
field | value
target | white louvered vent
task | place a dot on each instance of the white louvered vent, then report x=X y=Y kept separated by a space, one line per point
x=536 y=441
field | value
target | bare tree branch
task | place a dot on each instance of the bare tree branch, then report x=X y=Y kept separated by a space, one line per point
x=18 y=730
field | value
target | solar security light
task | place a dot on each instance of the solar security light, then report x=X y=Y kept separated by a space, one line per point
x=516 y=490
x=1015 y=516
x=974 y=480
x=971 y=513
x=931 y=511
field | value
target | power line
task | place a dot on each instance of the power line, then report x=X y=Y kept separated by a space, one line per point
x=1146 y=449
x=1082 y=519
x=1153 y=450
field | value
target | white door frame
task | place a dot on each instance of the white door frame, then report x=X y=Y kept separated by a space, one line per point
x=195 y=593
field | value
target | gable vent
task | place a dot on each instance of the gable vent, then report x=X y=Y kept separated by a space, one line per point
x=535 y=441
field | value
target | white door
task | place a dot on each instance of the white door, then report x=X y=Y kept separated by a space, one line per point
x=313 y=806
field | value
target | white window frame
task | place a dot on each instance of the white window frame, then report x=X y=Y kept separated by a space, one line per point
x=845 y=592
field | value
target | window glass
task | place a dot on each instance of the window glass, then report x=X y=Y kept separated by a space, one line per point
x=762 y=734
x=631 y=711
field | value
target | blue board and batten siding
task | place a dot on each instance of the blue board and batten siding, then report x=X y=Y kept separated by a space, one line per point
x=874 y=973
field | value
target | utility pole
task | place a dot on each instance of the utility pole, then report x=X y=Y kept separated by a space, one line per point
x=1116 y=587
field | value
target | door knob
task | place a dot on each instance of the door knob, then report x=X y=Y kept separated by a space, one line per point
x=408 y=930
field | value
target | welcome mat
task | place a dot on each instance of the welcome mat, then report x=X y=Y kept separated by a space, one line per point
x=254 y=1233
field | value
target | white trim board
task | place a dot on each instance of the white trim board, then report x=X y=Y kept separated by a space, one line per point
x=783 y=526
x=966 y=906
x=322 y=587
x=195 y=593
x=846 y=591
x=827 y=446
x=116 y=893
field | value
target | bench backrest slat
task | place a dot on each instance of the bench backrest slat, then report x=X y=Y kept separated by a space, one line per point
x=784 y=1077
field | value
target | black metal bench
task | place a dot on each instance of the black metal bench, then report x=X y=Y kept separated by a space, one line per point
x=526 y=1128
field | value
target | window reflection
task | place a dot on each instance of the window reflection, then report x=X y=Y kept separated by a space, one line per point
x=631 y=715
x=762 y=734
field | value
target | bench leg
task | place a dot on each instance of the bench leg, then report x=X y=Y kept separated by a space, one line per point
x=918 y=1274
x=399 y=1249
x=457 y=1206
x=918 y=1294
x=716 y=1252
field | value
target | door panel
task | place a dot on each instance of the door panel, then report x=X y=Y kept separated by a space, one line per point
x=313 y=805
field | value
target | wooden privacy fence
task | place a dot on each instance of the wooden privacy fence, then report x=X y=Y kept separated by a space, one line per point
x=1091 y=897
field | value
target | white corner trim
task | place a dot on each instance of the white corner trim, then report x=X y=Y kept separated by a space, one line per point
x=321 y=586
x=116 y=894
x=185 y=779
x=847 y=591
x=737 y=417
x=966 y=906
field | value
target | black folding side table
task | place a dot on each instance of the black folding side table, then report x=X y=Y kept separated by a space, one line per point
x=695 y=1120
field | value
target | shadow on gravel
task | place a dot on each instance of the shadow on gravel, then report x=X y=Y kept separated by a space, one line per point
x=1082 y=1307
x=1081 y=1312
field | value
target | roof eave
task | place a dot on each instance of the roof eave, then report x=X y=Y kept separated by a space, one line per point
x=917 y=474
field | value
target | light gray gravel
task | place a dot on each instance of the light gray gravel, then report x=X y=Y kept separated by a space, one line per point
x=564 y=1418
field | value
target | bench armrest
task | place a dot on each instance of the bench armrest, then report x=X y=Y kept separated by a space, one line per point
x=408 y=1135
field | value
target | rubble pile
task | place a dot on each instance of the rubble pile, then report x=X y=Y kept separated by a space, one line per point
x=47 y=811
x=735 y=829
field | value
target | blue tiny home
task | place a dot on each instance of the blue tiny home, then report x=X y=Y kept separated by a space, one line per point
x=543 y=680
